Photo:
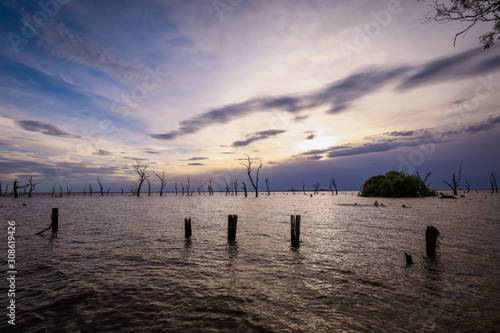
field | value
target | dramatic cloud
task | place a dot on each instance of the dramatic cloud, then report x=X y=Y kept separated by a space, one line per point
x=399 y=139
x=257 y=136
x=102 y=152
x=310 y=136
x=196 y=164
x=336 y=96
x=47 y=129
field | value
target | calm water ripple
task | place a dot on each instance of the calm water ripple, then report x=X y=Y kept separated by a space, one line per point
x=122 y=264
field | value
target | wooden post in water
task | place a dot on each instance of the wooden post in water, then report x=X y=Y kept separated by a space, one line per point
x=231 y=227
x=431 y=237
x=295 y=229
x=55 y=219
x=187 y=227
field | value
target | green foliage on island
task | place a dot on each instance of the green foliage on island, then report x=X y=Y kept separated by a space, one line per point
x=396 y=185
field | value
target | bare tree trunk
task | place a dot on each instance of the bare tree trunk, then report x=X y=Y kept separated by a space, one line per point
x=54 y=190
x=455 y=181
x=249 y=172
x=493 y=183
x=100 y=185
x=244 y=188
x=31 y=185
x=303 y=186
x=149 y=187
x=468 y=185
x=122 y=190
x=316 y=187
x=143 y=175
x=162 y=180
x=90 y=189
x=293 y=191
x=267 y=186
x=60 y=188
x=227 y=189
x=188 y=185
x=333 y=182
x=236 y=187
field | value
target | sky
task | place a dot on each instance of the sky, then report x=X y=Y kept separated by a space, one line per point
x=315 y=90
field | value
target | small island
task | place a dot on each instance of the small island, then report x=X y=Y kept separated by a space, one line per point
x=396 y=184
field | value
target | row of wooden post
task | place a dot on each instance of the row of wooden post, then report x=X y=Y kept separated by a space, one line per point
x=431 y=234
x=232 y=222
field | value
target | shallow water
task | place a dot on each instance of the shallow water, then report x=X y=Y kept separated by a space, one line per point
x=121 y=263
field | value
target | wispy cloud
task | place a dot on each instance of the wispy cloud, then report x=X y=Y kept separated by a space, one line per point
x=257 y=137
x=196 y=164
x=44 y=128
x=102 y=152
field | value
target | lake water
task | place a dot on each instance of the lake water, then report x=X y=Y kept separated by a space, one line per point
x=122 y=264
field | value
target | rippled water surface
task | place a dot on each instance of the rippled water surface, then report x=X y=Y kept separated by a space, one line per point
x=122 y=264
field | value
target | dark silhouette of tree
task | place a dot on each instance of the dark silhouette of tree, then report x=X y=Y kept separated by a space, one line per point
x=68 y=189
x=244 y=188
x=60 y=191
x=182 y=188
x=236 y=187
x=122 y=190
x=31 y=185
x=100 y=185
x=133 y=189
x=248 y=166
x=176 y=190
x=162 y=180
x=17 y=188
x=303 y=186
x=468 y=185
x=455 y=180
x=316 y=187
x=293 y=191
x=90 y=189
x=227 y=188
x=107 y=191
x=199 y=187
x=493 y=183
x=332 y=183
x=142 y=172
x=53 y=191
x=6 y=189
x=210 y=188
x=149 y=187
x=425 y=179
x=267 y=186
x=470 y=11
x=84 y=190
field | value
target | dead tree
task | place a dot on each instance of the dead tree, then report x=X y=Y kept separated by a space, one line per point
x=53 y=191
x=17 y=187
x=149 y=187
x=210 y=188
x=267 y=186
x=244 y=188
x=31 y=185
x=176 y=191
x=188 y=185
x=249 y=172
x=122 y=190
x=107 y=191
x=332 y=183
x=455 y=181
x=493 y=183
x=60 y=191
x=199 y=187
x=100 y=185
x=68 y=189
x=316 y=187
x=142 y=172
x=303 y=186
x=227 y=189
x=425 y=179
x=468 y=185
x=162 y=180
x=182 y=187
x=133 y=189
x=293 y=191
x=84 y=190
x=90 y=189
x=236 y=187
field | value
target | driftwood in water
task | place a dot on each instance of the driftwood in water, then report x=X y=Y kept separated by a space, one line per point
x=55 y=221
x=295 y=229
x=187 y=227
x=446 y=196
x=431 y=238
x=232 y=221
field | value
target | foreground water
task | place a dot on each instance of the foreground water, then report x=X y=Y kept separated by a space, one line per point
x=122 y=264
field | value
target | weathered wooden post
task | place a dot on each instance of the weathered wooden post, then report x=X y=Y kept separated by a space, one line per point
x=231 y=227
x=187 y=227
x=55 y=219
x=431 y=237
x=295 y=229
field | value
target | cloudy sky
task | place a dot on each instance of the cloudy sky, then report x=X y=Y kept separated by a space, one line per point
x=315 y=89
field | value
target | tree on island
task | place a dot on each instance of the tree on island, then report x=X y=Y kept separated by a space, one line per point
x=470 y=11
x=395 y=184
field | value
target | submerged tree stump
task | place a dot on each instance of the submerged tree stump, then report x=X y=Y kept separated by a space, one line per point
x=187 y=227
x=232 y=221
x=295 y=229
x=431 y=238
